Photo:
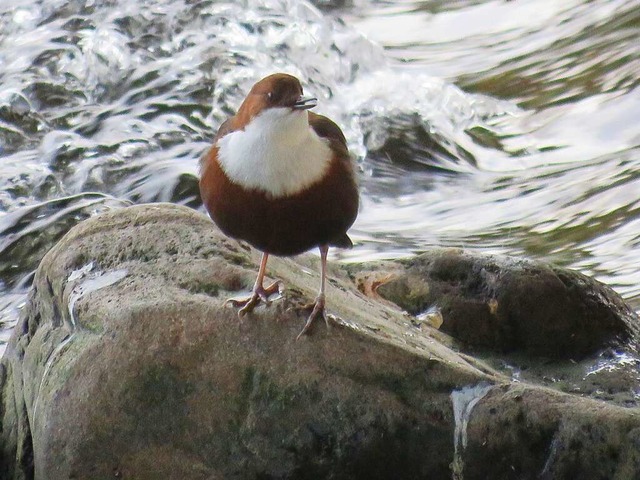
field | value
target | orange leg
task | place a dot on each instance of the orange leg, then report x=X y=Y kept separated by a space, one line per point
x=259 y=293
x=318 y=305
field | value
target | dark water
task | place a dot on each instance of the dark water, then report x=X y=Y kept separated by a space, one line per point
x=503 y=126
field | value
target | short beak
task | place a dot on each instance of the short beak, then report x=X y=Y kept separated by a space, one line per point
x=305 y=103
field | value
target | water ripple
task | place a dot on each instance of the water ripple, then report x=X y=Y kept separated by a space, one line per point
x=504 y=126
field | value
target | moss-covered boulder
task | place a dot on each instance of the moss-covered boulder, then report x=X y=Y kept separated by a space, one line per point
x=126 y=363
x=512 y=305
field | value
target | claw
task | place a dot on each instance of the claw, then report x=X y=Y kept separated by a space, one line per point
x=260 y=294
x=317 y=310
x=272 y=289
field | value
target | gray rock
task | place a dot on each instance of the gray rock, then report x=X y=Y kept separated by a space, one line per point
x=513 y=305
x=127 y=364
x=563 y=437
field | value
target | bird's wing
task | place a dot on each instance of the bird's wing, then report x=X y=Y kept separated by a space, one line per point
x=326 y=128
x=225 y=128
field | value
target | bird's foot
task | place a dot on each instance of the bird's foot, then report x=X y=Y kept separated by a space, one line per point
x=317 y=311
x=259 y=294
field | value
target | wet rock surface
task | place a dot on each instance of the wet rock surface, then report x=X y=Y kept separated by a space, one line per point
x=513 y=305
x=561 y=437
x=127 y=364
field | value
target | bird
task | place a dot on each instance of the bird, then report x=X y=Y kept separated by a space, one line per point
x=281 y=178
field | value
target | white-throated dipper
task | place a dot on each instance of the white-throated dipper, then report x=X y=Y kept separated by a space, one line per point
x=280 y=178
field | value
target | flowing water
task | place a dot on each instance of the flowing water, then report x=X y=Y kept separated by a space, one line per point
x=506 y=127
x=464 y=400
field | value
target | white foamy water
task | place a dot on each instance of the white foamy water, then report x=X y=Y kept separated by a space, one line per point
x=480 y=129
x=464 y=400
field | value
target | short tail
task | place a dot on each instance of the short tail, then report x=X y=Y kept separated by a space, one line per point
x=343 y=242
